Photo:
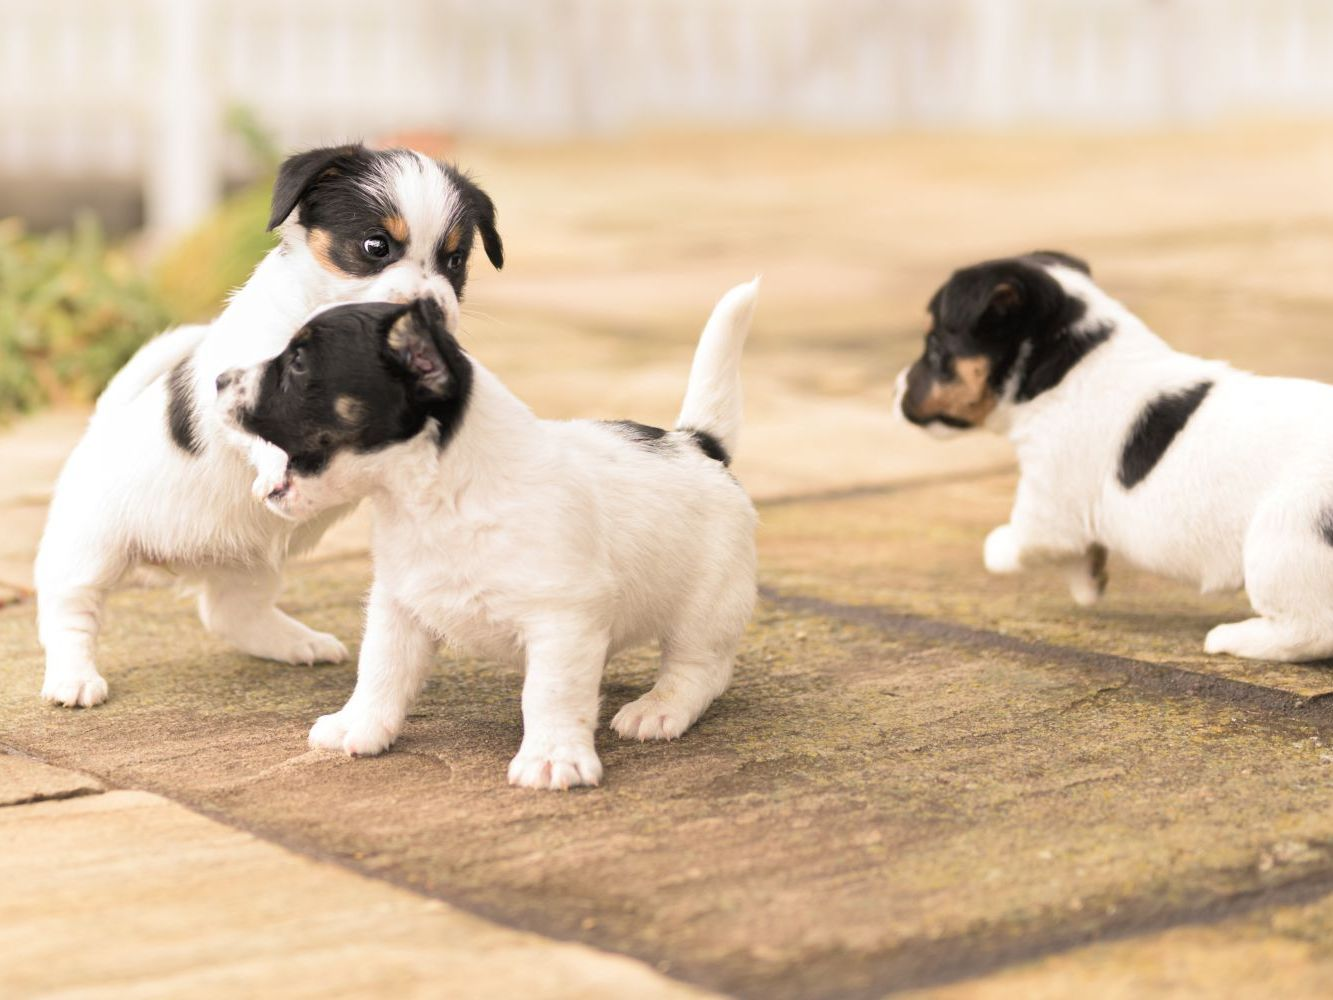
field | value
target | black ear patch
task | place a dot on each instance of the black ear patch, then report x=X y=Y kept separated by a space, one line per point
x=481 y=214
x=298 y=173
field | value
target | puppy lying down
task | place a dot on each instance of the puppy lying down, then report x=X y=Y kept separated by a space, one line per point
x=551 y=544
x=1186 y=467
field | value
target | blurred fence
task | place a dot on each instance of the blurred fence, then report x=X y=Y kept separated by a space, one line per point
x=138 y=88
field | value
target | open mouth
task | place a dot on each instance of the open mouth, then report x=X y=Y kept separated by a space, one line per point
x=280 y=491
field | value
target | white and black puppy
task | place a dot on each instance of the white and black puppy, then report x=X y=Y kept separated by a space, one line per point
x=550 y=544
x=1186 y=467
x=158 y=478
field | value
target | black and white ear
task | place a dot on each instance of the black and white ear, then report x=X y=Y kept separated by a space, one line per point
x=482 y=211
x=299 y=172
x=413 y=342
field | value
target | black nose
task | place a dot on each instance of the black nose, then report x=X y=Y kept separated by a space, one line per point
x=226 y=379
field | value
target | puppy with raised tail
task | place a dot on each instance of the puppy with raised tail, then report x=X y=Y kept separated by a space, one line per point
x=158 y=478
x=550 y=544
x=1185 y=467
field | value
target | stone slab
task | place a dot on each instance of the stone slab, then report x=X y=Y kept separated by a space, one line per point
x=23 y=780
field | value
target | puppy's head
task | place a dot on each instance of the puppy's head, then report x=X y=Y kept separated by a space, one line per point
x=353 y=382
x=1001 y=332
x=389 y=225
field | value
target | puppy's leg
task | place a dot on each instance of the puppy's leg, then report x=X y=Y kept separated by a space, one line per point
x=74 y=571
x=237 y=605
x=688 y=683
x=1289 y=579
x=395 y=655
x=1087 y=577
x=560 y=694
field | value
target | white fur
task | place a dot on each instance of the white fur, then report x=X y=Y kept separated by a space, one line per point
x=129 y=495
x=554 y=545
x=1236 y=500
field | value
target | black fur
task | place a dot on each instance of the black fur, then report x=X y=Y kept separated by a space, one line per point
x=1013 y=314
x=182 y=420
x=343 y=357
x=298 y=174
x=1154 y=430
x=710 y=446
x=656 y=437
x=1326 y=526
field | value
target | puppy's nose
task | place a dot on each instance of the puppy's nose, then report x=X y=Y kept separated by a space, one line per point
x=226 y=379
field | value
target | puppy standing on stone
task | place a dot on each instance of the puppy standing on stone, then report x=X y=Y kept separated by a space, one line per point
x=1186 y=467
x=157 y=477
x=551 y=544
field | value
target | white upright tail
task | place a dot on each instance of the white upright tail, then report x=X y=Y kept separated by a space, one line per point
x=713 y=397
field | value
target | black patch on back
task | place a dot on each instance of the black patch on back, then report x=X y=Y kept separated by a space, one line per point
x=656 y=438
x=1154 y=430
x=710 y=446
x=644 y=434
x=1326 y=526
x=182 y=421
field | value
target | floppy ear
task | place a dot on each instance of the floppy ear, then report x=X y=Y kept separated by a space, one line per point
x=977 y=292
x=413 y=341
x=298 y=173
x=482 y=211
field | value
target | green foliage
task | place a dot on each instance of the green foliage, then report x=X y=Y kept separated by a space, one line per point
x=72 y=311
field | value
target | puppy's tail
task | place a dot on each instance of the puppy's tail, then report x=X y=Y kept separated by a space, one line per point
x=712 y=407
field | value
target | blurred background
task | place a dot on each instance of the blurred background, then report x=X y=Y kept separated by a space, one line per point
x=646 y=154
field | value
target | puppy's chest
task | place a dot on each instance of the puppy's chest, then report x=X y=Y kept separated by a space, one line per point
x=451 y=593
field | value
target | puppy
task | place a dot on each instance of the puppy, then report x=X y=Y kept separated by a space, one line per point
x=1185 y=467
x=157 y=478
x=552 y=544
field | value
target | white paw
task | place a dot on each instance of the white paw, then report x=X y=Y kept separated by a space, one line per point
x=354 y=734
x=1086 y=589
x=80 y=690
x=270 y=464
x=1001 y=553
x=555 y=765
x=294 y=643
x=1219 y=640
x=651 y=718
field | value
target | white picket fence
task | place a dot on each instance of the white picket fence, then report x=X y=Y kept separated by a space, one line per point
x=138 y=88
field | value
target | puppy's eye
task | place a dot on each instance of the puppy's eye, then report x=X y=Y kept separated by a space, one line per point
x=375 y=246
x=455 y=262
x=296 y=365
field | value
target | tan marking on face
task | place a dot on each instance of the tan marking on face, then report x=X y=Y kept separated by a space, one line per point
x=453 y=239
x=350 y=410
x=320 y=242
x=396 y=226
x=967 y=397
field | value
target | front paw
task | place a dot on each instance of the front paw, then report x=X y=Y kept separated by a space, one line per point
x=555 y=765
x=75 y=689
x=1002 y=553
x=353 y=733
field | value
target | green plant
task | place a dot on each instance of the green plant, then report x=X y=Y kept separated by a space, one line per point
x=72 y=311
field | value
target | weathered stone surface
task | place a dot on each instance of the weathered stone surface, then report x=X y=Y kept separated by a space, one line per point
x=918 y=550
x=23 y=780
x=127 y=895
x=867 y=808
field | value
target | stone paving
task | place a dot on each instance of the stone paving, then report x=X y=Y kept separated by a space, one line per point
x=924 y=779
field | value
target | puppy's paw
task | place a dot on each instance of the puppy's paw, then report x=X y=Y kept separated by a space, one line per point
x=270 y=464
x=291 y=642
x=555 y=765
x=353 y=733
x=652 y=717
x=83 y=689
x=1001 y=553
